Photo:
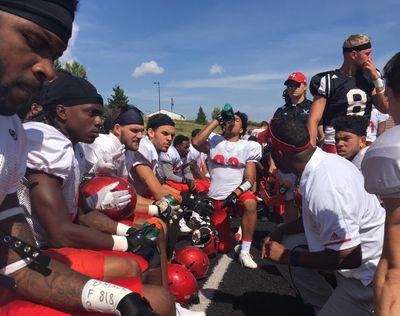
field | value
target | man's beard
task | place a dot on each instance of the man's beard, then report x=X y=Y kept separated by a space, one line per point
x=8 y=106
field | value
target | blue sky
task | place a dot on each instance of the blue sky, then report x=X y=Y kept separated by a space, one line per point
x=211 y=52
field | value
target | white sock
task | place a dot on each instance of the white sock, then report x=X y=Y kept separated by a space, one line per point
x=246 y=245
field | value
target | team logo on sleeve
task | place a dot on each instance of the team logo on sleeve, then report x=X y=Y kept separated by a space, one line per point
x=13 y=134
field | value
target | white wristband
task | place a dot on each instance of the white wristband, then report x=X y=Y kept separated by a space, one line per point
x=120 y=243
x=207 y=175
x=153 y=210
x=245 y=186
x=102 y=296
x=378 y=83
x=122 y=229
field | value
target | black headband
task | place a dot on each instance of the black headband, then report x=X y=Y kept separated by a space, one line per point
x=54 y=15
x=131 y=116
x=357 y=48
x=161 y=120
x=69 y=90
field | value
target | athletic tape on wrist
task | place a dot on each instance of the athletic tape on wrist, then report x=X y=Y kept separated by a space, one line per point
x=101 y=296
x=153 y=210
x=120 y=243
x=378 y=83
x=122 y=229
x=245 y=186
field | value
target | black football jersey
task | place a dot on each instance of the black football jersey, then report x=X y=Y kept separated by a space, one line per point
x=344 y=95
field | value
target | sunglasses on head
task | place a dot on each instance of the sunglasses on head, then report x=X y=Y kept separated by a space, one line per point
x=293 y=85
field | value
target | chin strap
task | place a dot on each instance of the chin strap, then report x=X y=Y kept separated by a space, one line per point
x=40 y=261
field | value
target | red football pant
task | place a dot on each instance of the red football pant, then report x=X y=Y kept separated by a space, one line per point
x=222 y=222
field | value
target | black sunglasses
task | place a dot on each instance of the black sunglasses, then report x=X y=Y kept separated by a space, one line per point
x=294 y=85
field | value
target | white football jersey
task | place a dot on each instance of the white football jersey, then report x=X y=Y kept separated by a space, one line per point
x=227 y=161
x=146 y=155
x=172 y=157
x=12 y=154
x=51 y=152
x=197 y=156
x=376 y=118
x=104 y=146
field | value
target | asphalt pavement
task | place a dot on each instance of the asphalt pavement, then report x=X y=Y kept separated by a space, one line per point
x=230 y=289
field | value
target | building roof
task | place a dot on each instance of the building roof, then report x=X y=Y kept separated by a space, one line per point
x=173 y=115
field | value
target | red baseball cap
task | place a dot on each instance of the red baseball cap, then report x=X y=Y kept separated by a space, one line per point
x=296 y=76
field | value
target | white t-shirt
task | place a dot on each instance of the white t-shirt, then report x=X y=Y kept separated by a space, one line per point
x=172 y=157
x=376 y=118
x=104 y=146
x=12 y=154
x=146 y=155
x=357 y=160
x=227 y=162
x=381 y=165
x=339 y=214
x=197 y=156
x=51 y=152
x=256 y=131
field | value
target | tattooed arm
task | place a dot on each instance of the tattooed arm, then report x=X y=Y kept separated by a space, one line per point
x=61 y=288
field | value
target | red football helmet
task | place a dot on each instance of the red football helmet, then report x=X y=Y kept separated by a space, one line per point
x=194 y=259
x=181 y=282
x=207 y=240
x=97 y=183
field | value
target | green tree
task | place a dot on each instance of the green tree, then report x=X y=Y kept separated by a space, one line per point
x=76 y=69
x=215 y=112
x=201 y=116
x=57 y=64
x=118 y=97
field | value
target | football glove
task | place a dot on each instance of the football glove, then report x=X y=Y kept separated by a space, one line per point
x=226 y=116
x=168 y=209
x=204 y=207
x=135 y=305
x=230 y=200
x=139 y=244
x=108 y=199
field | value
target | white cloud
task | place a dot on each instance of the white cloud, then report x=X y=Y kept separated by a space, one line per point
x=150 y=67
x=68 y=56
x=250 y=81
x=216 y=69
x=245 y=82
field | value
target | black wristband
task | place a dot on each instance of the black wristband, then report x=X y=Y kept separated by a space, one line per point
x=294 y=258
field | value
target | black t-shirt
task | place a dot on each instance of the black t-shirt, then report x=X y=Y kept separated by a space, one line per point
x=344 y=95
x=300 y=111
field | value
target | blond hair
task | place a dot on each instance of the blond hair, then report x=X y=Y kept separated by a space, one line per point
x=356 y=40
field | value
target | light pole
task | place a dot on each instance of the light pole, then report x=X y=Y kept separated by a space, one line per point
x=159 y=99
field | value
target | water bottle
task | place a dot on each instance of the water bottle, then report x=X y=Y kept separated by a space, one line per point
x=227 y=114
x=173 y=199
